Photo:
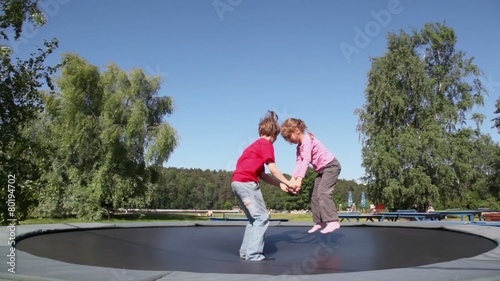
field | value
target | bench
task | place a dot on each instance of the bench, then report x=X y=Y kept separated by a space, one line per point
x=420 y=216
x=394 y=216
x=357 y=216
x=491 y=216
x=463 y=214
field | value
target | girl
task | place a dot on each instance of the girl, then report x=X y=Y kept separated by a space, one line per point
x=311 y=151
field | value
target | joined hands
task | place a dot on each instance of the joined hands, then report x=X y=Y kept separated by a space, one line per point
x=292 y=186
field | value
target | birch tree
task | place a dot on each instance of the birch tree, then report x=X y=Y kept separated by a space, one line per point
x=107 y=137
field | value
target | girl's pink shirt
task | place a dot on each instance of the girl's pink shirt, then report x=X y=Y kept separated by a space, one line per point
x=311 y=151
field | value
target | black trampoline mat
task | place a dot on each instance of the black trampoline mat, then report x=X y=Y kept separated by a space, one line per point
x=214 y=249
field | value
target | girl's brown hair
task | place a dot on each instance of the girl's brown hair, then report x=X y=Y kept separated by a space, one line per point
x=269 y=126
x=290 y=125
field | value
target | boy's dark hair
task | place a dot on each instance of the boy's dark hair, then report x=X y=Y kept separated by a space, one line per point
x=269 y=126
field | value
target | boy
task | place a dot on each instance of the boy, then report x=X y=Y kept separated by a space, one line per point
x=245 y=185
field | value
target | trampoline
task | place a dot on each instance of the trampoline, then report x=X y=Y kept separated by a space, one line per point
x=210 y=251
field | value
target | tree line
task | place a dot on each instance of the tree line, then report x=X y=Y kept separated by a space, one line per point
x=182 y=188
x=76 y=140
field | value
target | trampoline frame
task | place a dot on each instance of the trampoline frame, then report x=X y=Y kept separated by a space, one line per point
x=482 y=267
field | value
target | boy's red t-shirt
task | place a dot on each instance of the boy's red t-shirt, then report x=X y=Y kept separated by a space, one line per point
x=251 y=162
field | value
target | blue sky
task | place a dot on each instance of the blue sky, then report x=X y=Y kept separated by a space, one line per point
x=226 y=62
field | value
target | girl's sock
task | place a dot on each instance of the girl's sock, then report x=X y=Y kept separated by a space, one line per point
x=317 y=226
x=330 y=227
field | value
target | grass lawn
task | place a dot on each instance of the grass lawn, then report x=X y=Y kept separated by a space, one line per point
x=156 y=217
x=175 y=217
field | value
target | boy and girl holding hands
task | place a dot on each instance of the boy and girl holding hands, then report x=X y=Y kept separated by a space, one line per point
x=250 y=167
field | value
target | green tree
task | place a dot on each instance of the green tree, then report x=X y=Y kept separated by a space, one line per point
x=496 y=120
x=107 y=140
x=494 y=177
x=20 y=100
x=414 y=122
